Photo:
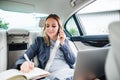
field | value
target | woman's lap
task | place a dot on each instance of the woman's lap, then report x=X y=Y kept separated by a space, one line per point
x=64 y=74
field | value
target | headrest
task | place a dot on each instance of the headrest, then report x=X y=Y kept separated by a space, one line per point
x=114 y=28
x=17 y=31
x=42 y=22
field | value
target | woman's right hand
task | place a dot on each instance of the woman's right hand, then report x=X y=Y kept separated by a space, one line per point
x=27 y=66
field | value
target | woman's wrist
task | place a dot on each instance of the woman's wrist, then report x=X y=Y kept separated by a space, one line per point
x=62 y=43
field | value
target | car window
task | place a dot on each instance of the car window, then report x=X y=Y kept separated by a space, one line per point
x=21 y=20
x=95 y=18
x=71 y=27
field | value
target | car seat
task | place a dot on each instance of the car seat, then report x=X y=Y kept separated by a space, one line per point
x=112 y=67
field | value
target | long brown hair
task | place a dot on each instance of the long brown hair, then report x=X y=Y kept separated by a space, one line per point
x=57 y=18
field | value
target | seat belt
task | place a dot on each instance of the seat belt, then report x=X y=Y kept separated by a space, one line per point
x=52 y=55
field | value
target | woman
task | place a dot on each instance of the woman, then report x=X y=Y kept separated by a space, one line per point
x=42 y=47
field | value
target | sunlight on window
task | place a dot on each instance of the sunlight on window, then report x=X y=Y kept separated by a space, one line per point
x=96 y=17
x=21 y=20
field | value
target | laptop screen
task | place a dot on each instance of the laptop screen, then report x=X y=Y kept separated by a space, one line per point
x=90 y=64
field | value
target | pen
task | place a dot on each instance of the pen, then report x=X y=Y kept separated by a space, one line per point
x=26 y=57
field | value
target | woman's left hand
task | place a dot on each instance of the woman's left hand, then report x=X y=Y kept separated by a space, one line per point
x=62 y=36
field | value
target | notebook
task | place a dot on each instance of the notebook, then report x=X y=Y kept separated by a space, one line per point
x=14 y=74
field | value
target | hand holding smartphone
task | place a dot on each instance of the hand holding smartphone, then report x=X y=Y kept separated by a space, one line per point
x=62 y=36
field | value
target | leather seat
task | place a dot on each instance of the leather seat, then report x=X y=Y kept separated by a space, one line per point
x=3 y=50
x=112 y=67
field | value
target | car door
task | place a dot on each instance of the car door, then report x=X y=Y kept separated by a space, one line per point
x=74 y=30
x=88 y=28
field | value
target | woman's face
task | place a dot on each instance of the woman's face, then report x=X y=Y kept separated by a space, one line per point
x=52 y=28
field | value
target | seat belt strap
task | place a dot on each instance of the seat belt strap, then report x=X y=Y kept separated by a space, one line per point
x=52 y=55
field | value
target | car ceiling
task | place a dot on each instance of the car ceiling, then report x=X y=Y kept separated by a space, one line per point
x=64 y=8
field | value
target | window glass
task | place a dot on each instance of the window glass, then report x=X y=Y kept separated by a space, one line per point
x=21 y=20
x=72 y=27
x=96 y=17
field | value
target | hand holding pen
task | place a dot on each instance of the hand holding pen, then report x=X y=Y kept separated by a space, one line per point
x=27 y=66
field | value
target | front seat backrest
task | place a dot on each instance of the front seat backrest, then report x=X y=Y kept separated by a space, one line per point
x=113 y=59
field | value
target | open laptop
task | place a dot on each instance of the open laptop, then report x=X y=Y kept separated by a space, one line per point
x=90 y=63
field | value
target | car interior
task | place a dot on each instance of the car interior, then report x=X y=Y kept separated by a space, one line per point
x=92 y=26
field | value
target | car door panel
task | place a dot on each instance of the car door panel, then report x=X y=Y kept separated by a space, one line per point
x=88 y=42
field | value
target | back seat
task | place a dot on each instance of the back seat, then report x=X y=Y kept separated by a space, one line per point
x=3 y=50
